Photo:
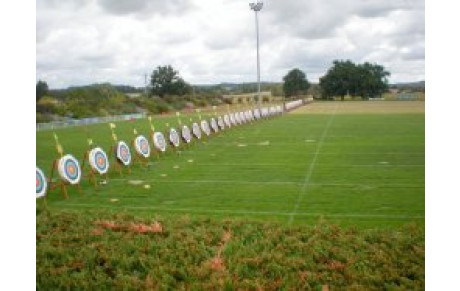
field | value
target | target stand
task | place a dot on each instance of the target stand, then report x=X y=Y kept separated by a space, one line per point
x=98 y=165
x=125 y=161
x=142 y=151
x=70 y=174
x=159 y=143
x=174 y=140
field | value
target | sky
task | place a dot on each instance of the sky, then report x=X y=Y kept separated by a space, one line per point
x=81 y=42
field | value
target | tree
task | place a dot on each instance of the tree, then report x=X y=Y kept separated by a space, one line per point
x=166 y=81
x=42 y=89
x=346 y=78
x=295 y=83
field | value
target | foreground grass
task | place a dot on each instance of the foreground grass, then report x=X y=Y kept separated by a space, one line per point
x=100 y=250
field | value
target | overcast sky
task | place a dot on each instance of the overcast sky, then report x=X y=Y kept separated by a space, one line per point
x=87 y=41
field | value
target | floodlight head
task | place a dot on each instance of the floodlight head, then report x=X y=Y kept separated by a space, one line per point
x=256 y=6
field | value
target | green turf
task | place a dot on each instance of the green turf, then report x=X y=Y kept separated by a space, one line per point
x=352 y=169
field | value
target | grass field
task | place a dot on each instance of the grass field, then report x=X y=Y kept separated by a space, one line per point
x=352 y=163
x=328 y=196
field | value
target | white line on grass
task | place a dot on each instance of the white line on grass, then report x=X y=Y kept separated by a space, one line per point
x=244 y=212
x=304 y=188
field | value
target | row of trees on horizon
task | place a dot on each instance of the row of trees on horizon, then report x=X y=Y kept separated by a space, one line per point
x=168 y=91
x=343 y=78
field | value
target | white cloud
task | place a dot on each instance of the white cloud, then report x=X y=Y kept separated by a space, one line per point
x=86 y=41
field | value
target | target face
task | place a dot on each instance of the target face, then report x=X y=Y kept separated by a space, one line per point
x=40 y=183
x=142 y=146
x=236 y=117
x=264 y=112
x=214 y=125
x=98 y=160
x=227 y=120
x=242 y=117
x=186 y=135
x=250 y=115
x=257 y=113
x=174 y=137
x=220 y=122
x=123 y=153
x=232 y=119
x=159 y=141
x=205 y=127
x=69 y=169
x=196 y=130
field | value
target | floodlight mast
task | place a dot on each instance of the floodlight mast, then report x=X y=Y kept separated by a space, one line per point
x=257 y=7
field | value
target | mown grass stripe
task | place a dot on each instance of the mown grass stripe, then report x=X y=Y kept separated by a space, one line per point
x=304 y=188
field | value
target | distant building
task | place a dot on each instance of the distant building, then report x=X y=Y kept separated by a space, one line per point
x=247 y=97
x=133 y=95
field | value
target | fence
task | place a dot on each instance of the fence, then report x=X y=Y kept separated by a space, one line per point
x=84 y=121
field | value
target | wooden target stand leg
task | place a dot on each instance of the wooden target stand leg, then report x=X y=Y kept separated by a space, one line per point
x=60 y=184
x=137 y=158
x=92 y=175
x=116 y=162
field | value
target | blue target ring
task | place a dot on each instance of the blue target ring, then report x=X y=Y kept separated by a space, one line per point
x=40 y=183
x=69 y=169
x=142 y=146
x=98 y=160
x=123 y=153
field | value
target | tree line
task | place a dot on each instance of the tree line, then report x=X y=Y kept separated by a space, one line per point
x=343 y=78
x=167 y=90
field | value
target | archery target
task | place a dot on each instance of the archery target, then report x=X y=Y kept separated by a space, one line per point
x=236 y=116
x=40 y=183
x=240 y=117
x=227 y=120
x=279 y=110
x=214 y=125
x=174 y=137
x=186 y=135
x=98 y=160
x=220 y=122
x=232 y=119
x=69 y=169
x=257 y=113
x=205 y=127
x=251 y=116
x=196 y=130
x=272 y=110
x=243 y=117
x=142 y=146
x=264 y=112
x=123 y=153
x=159 y=141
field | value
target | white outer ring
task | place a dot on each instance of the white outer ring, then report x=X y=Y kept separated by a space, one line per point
x=205 y=127
x=118 y=153
x=92 y=161
x=186 y=134
x=220 y=122
x=196 y=130
x=214 y=125
x=174 y=141
x=156 y=142
x=45 y=184
x=61 y=169
x=137 y=146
